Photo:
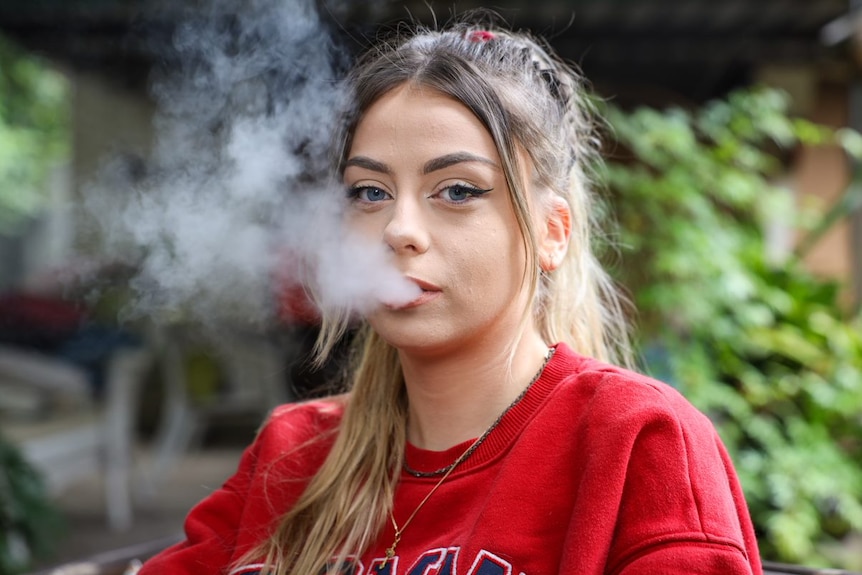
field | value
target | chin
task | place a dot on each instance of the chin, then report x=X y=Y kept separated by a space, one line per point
x=410 y=336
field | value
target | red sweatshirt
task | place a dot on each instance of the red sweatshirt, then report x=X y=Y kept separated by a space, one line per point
x=597 y=470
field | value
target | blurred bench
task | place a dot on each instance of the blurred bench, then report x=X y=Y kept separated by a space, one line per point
x=253 y=369
x=66 y=434
x=114 y=562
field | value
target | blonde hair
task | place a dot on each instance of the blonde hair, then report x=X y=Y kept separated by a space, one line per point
x=529 y=100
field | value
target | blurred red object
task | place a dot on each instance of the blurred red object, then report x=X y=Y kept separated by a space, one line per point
x=293 y=302
x=295 y=306
x=38 y=320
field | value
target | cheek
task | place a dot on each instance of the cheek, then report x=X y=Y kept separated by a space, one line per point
x=499 y=260
x=362 y=224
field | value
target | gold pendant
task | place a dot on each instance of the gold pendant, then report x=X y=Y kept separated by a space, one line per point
x=390 y=551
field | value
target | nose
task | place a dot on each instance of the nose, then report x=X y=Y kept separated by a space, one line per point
x=406 y=231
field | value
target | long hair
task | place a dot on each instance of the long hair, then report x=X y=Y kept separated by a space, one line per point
x=529 y=100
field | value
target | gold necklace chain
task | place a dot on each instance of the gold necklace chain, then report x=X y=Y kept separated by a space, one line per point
x=399 y=531
x=475 y=444
x=390 y=551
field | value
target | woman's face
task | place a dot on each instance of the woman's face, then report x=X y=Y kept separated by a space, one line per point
x=423 y=175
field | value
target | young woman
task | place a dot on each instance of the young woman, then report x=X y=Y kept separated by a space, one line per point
x=486 y=429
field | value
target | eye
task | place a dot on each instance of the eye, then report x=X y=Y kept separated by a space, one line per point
x=367 y=194
x=460 y=193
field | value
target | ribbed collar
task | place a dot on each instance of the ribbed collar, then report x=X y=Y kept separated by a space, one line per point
x=563 y=363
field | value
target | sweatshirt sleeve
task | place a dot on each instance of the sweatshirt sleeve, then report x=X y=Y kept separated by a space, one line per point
x=657 y=492
x=271 y=475
x=681 y=510
x=210 y=527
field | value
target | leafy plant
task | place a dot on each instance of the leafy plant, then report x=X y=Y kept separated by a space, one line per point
x=763 y=347
x=33 y=137
x=28 y=522
x=34 y=124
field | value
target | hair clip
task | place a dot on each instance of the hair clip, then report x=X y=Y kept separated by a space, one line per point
x=480 y=36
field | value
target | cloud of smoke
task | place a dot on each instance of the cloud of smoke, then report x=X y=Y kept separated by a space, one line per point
x=233 y=202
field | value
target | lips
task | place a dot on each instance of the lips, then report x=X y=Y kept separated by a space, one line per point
x=423 y=285
x=429 y=293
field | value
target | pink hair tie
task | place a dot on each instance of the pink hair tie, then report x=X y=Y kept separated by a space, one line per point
x=480 y=36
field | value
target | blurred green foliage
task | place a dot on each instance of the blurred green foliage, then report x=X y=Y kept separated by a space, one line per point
x=29 y=524
x=34 y=128
x=763 y=347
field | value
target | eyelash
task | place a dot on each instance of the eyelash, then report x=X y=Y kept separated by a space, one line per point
x=354 y=193
x=471 y=191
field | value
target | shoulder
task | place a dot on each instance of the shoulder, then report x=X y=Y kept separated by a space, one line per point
x=611 y=396
x=300 y=428
x=632 y=422
x=316 y=415
x=659 y=464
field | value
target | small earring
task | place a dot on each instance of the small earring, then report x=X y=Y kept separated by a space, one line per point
x=549 y=265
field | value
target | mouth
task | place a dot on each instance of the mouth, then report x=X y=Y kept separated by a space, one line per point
x=429 y=293
x=423 y=285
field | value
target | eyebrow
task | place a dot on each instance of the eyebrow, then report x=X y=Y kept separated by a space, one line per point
x=452 y=159
x=368 y=164
x=430 y=166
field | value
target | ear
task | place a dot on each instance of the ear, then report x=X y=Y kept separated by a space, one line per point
x=554 y=232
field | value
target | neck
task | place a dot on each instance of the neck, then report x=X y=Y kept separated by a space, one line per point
x=455 y=398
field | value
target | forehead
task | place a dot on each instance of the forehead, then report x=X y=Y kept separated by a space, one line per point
x=413 y=116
